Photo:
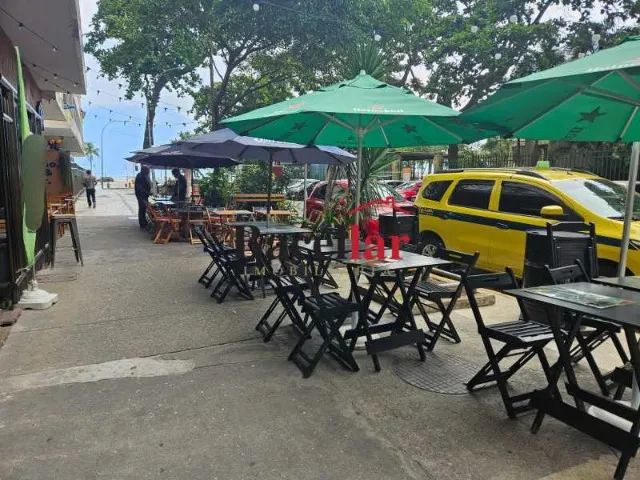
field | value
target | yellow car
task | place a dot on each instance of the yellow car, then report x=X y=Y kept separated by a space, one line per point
x=490 y=210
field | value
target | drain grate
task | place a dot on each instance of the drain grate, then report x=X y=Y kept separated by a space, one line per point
x=439 y=373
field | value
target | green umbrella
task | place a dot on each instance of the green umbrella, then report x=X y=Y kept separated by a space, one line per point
x=357 y=113
x=595 y=99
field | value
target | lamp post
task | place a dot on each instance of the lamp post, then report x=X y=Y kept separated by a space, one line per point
x=102 y=150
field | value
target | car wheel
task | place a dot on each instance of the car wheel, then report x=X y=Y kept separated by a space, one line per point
x=430 y=244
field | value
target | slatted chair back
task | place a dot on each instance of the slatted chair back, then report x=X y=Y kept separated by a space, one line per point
x=567 y=274
x=489 y=281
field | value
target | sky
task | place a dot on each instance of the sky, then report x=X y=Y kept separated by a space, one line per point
x=101 y=103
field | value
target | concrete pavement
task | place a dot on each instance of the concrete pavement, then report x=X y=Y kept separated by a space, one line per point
x=137 y=374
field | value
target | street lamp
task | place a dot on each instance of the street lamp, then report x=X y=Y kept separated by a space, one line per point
x=102 y=150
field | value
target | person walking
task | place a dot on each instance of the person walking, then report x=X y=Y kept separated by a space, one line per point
x=89 y=182
x=142 y=187
x=180 y=188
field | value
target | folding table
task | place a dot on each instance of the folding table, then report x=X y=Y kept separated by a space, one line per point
x=403 y=330
x=323 y=253
x=628 y=283
x=581 y=298
x=264 y=229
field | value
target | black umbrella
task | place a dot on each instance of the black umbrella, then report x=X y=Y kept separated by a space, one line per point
x=226 y=143
x=178 y=156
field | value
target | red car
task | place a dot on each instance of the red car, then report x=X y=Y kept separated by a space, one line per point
x=409 y=190
x=315 y=202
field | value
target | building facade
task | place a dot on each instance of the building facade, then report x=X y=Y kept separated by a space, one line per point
x=48 y=37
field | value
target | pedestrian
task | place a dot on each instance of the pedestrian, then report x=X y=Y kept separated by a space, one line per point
x=142 y=187
x=180 y=188
x=89 y=183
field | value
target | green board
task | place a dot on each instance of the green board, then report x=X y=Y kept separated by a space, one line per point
x=33 y=181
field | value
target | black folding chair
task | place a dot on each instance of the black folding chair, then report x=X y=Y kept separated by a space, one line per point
x=428 y=293
x=212 y=269
x=288 y=291
x=233 y=269
x=593 y=332
x=523 y=340
x=327 y=313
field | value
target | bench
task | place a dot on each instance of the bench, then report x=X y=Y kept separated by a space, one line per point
x=262 y=198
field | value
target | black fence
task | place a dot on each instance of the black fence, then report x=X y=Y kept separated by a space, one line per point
x=610 y=161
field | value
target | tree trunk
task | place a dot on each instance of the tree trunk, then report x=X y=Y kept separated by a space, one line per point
x=152 y=103
x=452 y=156
x=211 y=83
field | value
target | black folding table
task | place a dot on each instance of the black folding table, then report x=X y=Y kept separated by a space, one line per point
x=283 y=231
x=628 y=283
x=549 y=401
x=323 y=253
x=403 y=330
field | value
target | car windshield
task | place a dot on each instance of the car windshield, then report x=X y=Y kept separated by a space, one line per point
x=602 y=197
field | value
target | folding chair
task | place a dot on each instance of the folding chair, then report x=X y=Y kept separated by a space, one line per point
x=327 y=313
x=523 y=340
x=427 y=292
x=287 y=292
x=593 y=332
x=233 y=269
x=212 y=269
x=165 y=225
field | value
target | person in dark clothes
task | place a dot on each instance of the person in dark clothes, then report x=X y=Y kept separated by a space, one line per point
x=143 y=190
x=89 y=182
x=180 y=188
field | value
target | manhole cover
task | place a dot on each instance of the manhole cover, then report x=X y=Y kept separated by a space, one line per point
x=440 y=372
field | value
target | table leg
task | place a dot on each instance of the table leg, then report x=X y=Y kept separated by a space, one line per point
x=564 y=362
x=405 y=315
x=362 y=325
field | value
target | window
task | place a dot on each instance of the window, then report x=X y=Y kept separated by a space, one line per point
x=320 y=192
x=472 y=193
x=435 y=190
x=602 y=197
x=524 y=199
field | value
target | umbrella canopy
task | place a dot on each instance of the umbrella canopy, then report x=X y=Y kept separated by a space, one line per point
x=227 y=143
x=361 y=112
x=380 y=114
x=595 y=98
x=176 y=155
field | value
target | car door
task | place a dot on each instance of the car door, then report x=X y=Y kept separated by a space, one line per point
x=519 y=206
x=315 y=201
x=468 y=220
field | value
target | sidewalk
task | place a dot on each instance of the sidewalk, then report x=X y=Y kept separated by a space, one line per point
x=137 y=374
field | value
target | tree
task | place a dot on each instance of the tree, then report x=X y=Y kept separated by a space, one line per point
x=90 y=150
x=459 y=52
x=151 y=44
x=256 y=58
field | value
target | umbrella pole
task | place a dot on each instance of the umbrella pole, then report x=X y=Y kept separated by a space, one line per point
x=358 y=179
x=626 y=234
x=628 y=213
x=269 y=188
x=304 y=186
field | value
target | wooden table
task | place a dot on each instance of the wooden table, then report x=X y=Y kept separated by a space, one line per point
x=549 y=401
x=274 y=214
x=403 y=330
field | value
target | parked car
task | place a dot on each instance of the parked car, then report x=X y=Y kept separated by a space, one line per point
x=409 y=190
x=392 y=183
x=490 y=210
x=295 y=189
x=316 y=201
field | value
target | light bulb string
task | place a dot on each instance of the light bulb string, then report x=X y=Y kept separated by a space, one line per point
x=23 y=26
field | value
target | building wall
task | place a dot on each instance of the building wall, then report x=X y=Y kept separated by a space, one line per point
x=9 y=70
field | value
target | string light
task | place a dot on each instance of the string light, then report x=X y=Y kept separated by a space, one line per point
x=376 y=36
x=21 y=26
x=497 y=56
x=513 y=19
x=474 y=29
x=256 y=7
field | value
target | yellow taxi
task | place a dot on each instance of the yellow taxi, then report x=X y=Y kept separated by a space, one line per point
x=490 y=210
